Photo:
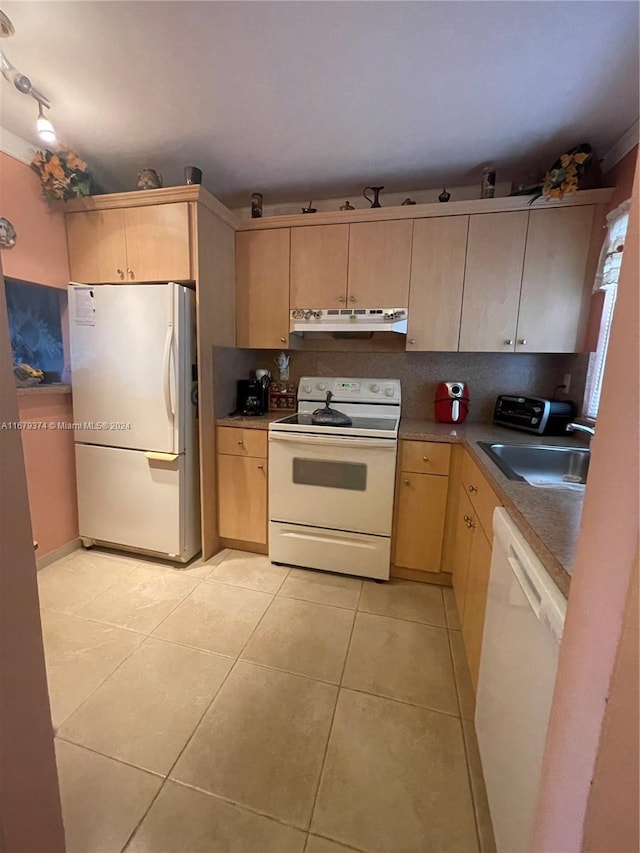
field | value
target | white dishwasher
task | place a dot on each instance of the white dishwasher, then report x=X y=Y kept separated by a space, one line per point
x=522 y=632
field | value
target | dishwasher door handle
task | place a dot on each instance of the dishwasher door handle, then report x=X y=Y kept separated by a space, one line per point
x=526 y=581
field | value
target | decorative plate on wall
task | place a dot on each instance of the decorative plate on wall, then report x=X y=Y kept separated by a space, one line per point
x=8 y=234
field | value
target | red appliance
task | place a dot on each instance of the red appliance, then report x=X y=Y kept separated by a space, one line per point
x=452 y=402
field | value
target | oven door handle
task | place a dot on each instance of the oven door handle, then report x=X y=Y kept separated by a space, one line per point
x=330 y=441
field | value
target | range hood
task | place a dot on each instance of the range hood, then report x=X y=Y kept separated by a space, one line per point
x=348 y=321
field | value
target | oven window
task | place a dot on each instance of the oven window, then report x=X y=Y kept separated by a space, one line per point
x=333 y=475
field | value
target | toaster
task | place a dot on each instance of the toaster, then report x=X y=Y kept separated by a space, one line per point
x=534 y=414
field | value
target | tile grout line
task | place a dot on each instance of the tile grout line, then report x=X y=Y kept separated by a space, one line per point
x=340 y=843
x=57 y=565
x=333 y=716
x=474 y=804
x=179 y=756
x=195 y=728
x=312 y=601
x=241 y=586
x=99 y=685
x=243 y=806
x=464 y=744
x=126 y=658
x=455 y=673
x=95 y=751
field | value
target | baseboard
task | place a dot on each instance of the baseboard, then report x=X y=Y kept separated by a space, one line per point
x=239 y=545
x=58 y=554
x=441 y=578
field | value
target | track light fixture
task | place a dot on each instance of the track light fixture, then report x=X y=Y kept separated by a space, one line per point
x=24 y=85
x=44 y=127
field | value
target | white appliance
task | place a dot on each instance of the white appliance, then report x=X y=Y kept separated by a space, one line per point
x=132 y=351
x=331 y=487
x=522 y=631
x=348 y=321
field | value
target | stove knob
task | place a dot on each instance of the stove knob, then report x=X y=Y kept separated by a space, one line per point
x=321 y=386
x=389 y=391
x=375 y=388
x=307 y=389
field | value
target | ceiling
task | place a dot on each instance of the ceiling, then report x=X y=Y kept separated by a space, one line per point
x=313 y=99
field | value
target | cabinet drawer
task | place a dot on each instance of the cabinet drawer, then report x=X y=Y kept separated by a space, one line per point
x=242 y=442
x=482 y=496
x=425 y=457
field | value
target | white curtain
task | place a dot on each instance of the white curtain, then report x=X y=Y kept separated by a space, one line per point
x=606 y=280
x=612 y=248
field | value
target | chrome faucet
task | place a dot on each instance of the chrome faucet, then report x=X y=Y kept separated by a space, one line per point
x=580 y=428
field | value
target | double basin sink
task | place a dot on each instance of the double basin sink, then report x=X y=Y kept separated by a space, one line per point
x=540 y=464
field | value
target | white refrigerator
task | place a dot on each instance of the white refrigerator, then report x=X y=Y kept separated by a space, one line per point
x=135 y=429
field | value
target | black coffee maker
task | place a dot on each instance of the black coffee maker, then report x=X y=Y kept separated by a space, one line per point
x=250 y=397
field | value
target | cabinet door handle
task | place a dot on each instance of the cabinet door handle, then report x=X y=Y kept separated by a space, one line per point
x=352 y=299
x=283 y=340
x=341 y=299
x=260 y=467
x=426 y=459
x=509 y=342
x=473 y=489
x=522 y=341
x=120 y=273
x=241 y=442
x=468 y=518
x=406 y=483
x=412 y=340
x=130 y=271
x=470 y=525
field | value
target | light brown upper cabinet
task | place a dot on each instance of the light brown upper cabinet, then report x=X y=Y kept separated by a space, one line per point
x=97 y=247
x=158 y=245
x=493 y=275
x=319 y=259
x=262 y=288
x=553 y=282
x=379 y=264
x=437 y=277
x=149 y=243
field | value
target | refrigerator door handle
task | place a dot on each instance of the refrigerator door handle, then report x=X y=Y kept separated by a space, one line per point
x=155 y=456
x=166 y=370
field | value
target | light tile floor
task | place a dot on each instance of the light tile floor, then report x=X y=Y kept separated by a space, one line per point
x=243 y=707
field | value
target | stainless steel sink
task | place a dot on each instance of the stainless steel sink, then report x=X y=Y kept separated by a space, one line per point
x=540 y=464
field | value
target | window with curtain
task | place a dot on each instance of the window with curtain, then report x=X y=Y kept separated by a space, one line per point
x=606 y=281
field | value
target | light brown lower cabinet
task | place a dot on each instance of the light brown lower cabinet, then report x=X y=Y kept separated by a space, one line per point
x=463 y=540
x=470 y=558
x=421 y=505
x=242 y=487
x=475 y=602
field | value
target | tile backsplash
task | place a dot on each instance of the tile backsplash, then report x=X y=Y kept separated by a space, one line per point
x=487 y=374
x=229 y=365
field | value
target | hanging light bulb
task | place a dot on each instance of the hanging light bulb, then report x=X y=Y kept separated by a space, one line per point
x=45 y=129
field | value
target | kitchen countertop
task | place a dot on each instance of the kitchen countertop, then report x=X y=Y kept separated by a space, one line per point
x=44 y=388
x=251 y=421
x=548 y=518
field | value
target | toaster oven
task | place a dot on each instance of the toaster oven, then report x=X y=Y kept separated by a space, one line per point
x=534 y=414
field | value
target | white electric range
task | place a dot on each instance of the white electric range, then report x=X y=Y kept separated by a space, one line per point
x=331 y=487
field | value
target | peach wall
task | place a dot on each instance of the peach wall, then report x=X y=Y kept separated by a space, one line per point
x=604 y=563
x=50 y=467
x=40 y=253
x=612 y=812
x=30 y=814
